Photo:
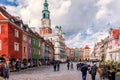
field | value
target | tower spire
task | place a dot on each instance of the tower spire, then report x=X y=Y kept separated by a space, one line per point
x=45 y=1
x=45 y=5
x=45 y=12
x=45 y=21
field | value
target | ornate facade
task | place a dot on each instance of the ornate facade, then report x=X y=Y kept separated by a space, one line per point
x=57 y=38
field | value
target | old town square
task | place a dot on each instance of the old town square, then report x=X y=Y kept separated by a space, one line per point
x=59 y=40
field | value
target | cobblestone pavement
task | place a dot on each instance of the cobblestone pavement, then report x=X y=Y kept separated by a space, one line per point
x=47 y=73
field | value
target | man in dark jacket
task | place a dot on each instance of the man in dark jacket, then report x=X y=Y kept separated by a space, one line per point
x=54 y=65
x=58 y=65
x=68 y=65
x=93 y=71
x=84 y=69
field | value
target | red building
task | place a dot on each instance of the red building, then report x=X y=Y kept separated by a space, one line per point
x=10 y=36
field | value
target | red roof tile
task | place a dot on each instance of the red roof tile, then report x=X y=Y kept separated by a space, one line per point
x=67 y=47
x=116 y=33
x=87 y=47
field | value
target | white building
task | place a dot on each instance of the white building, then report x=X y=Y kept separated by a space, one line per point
x=113 y=51
x=57 y=38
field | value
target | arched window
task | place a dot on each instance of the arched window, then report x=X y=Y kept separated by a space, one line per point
x=44 y=15
x=48 y=16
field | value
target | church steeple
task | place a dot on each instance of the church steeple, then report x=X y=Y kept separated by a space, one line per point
x=46 y=1
x=45 y=5
x=45 y=21
x=45 y=12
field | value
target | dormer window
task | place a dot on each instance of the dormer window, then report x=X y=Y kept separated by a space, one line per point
x=44 y=16
x=27 y=29
x=12 y=20
x=21 y=25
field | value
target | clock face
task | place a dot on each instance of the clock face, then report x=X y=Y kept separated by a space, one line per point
x=44 y=22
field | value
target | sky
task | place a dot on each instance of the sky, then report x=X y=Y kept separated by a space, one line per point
x=85 y=22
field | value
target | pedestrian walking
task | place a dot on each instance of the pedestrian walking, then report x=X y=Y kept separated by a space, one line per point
x=77 y=65
x=17 y=66
x=1 y=69
x=68 y=65
x=71 y=65
x=58 y=65
x=114 y=72
x=54 y=65
x=84 y=69
x=5 y=71
x=111 y=73
x=93 y=71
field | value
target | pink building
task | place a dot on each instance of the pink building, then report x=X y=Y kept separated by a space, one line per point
x=113 y=52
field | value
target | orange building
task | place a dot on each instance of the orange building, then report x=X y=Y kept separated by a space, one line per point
x=68 y=50
x=25 y=43
x=86 y=53
x=72 y=54
x=81 y=52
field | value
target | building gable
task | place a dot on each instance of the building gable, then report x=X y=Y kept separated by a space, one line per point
x=2 y=17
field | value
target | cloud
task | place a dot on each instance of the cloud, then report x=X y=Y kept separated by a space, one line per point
x=10 y=0
x=102 y=5
x=90 y=40
x=101 y=13
x=61 y=8
x=31 y=10
x=75 y=17
x=89 y=31
x=103 y=2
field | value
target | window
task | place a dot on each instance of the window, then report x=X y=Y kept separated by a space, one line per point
x=44 y=16
x=1 y=29
x=24 y=37
x=12 y=20
x=29 y=50
x=21 y=25
x=29 y=41
x=0 y=44
x=24 y=49
x=16 y=33
x=16 y=46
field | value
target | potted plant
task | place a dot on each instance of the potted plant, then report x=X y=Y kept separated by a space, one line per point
x=118 y=72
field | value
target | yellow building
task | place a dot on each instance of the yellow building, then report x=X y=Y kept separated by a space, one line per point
x=86 y=53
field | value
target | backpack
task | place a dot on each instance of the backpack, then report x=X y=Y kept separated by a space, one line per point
x=93 y=70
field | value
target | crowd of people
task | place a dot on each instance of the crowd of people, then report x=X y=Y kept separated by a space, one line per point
x=56 y=65
x=4 y=70
x=85 y=68
x=91 y=68
x=105 y=71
